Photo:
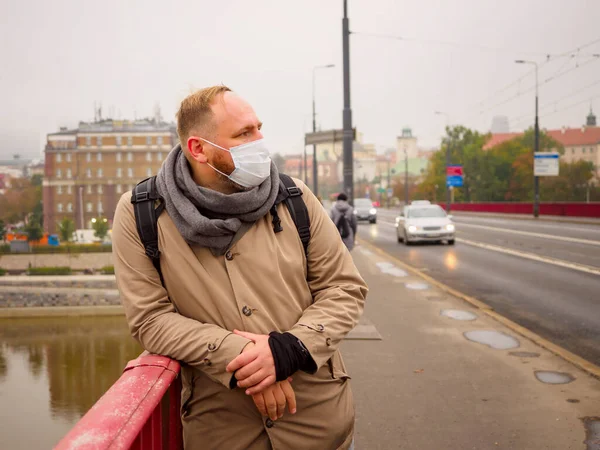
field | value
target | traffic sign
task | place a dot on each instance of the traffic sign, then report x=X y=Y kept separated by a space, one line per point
x=454 y=170
x=454 y=180
x=545 y=164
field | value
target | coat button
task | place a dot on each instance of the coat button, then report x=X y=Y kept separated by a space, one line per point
x=247 y=311
x=211 y=347
x=207 y=362
x=320 y=327
x=229 y=256
x=269 y=423
x=328 y=342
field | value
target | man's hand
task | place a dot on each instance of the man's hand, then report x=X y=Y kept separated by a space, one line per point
x=271 y=402
x=254 y=368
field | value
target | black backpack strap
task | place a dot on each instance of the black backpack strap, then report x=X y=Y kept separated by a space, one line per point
x=292 y=196
x=144 y=197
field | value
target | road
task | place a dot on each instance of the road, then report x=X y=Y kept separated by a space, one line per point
x=543 y=276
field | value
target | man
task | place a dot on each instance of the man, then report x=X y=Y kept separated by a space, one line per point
x=344 y=219
x=242 y=306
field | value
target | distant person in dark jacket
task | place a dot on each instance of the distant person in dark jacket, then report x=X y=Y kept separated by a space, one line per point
x=344 y=219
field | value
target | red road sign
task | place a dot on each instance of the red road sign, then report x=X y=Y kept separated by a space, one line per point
x=454 y=170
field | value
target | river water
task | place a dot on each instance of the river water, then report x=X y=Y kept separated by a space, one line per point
x=52 y=370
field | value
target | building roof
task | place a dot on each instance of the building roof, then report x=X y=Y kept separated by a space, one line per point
x=499 y=138
x=124 y=126
x=568 y=137
x=571 y=137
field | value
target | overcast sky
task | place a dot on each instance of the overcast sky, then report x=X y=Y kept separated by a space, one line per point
x=59 y=57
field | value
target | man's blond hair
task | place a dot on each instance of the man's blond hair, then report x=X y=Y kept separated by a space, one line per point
x=195 y=111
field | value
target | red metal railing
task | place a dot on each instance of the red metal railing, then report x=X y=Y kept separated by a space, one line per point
x=139 y=412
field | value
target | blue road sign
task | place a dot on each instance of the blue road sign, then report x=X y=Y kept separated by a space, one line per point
x=454 y=180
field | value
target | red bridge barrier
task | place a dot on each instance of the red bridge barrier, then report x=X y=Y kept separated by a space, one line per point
x=546 y=209
x=139 y=412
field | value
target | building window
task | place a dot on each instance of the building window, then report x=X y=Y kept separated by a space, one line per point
x=68 y=157
x=88 y=173
x=100 y=189
x=148 y=140
x=69 y=189
x=119 y=172
x=59 y=190
x=148 y=156
x=88 y=207
x=99 y=207
x=118 y=139
x=69 y=173
x=119 y=188
x=149 y=172
x=130 y=173
x=69 y=207
x=583 y=150
x=58 y=173
x=89 y=189
x=58 y=157
x=88 y=157
x=129 y=156
x=99 y=157
x=99 y=173
x=159 y=156
x=88 y=141
x=159 y=140
x=119 y=156
x=129 y=141
x=99 y=141
x=60 y=207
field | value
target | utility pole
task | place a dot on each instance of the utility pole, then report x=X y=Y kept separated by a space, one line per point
x=536 y=180
x=406 y=199
x=314 y=128
x=347 y=114
x=389 y=182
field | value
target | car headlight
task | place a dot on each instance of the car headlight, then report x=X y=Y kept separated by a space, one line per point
x=372 y=211
x=412 y=229
x=355 y=212
x=450 y=227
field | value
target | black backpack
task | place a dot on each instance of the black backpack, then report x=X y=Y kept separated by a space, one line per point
x=145 y=197
x=343 y=226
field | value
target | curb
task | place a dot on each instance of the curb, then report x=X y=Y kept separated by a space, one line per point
x=583 y=364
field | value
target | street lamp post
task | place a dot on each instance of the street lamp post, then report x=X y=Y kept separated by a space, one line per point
x=406 y=199
x=314 y=128
x=448 y=191
x=536 y=180
x=347 y=114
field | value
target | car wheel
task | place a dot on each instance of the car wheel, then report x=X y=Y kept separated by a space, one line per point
x=400 y=238
x=450 y=241
x=406 y=241
x=373 y=221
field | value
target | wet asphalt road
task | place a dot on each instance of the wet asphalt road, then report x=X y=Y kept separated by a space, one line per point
x=550 y=286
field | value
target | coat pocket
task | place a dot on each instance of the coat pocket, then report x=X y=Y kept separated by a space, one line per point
x=187 y=389
x=337 y=368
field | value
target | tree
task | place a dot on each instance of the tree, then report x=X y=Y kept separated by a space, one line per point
x=20 y=200
x=66 y=228
x=100 y=226
x=34 y=231
x=2 y=231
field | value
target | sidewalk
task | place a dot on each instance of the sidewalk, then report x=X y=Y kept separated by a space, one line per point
x=426 y=386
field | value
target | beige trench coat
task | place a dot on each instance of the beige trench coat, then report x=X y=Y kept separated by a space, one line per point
x=262 y=284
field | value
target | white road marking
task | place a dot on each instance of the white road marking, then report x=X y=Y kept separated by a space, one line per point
x=529 y=233
x=533 y=257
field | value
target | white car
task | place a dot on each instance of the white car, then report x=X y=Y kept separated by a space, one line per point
x=423 y=222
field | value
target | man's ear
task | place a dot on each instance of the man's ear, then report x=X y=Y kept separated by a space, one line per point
x=196 y=149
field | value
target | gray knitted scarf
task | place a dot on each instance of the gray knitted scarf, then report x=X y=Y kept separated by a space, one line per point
x=206 y=217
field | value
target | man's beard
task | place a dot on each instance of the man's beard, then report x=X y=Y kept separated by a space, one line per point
x=224 y=167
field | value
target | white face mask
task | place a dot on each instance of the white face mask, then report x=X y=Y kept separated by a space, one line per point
x=252 y=163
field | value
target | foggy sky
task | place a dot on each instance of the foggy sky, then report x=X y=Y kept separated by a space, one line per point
x=59 y=57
